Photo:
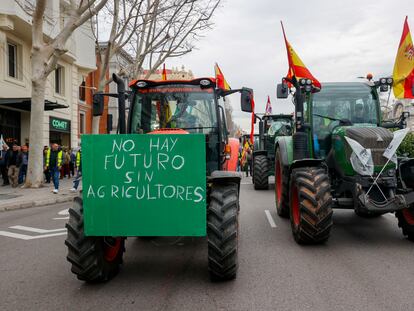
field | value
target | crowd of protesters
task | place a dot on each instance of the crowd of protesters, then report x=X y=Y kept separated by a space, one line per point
x=58 y=162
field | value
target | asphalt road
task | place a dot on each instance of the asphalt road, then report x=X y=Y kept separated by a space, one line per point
x=366 y=265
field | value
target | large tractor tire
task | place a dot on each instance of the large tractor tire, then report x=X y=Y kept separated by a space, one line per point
x=93 y=259
x=310 y=205
x=223 y=231
x=261 y=172
x=281 y=187
x=406 y=222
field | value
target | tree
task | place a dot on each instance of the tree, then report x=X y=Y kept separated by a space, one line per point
x=152 y=31
x=44 y=56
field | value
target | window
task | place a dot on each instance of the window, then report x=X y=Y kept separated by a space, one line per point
x=82 y=93
x=81 y=123
x=60 y=80
x=13 y=60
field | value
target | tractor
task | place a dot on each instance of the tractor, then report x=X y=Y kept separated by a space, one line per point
x=270 y=127
x=317 y=169
x=169 y=171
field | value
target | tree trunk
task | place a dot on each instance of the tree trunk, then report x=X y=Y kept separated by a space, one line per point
x=34 y=177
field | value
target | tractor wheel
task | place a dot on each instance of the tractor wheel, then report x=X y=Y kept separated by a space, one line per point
x=406 y=222
x=261 y=172
x=310 y=205
x=93 y=259
x=223 y=231
x=281 y=187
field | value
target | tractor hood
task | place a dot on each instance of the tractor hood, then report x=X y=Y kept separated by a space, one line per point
x=370 y=137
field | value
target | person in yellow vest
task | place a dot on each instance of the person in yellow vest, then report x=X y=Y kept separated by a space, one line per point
x=78 y=165
x=54 y=164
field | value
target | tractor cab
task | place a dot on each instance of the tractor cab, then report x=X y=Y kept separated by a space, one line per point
x=340 y=105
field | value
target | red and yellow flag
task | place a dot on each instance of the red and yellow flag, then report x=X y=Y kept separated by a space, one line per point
x=164 y=73
x=296 y=67
x=220 y=80
x=403 y=73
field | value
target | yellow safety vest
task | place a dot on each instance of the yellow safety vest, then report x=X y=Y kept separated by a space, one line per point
x=59 y=158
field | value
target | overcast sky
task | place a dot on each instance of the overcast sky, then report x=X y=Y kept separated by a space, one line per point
x=337 y=41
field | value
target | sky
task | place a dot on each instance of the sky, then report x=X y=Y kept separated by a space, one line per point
x=337 y=40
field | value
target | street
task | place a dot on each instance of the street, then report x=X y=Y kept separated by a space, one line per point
x=365 y=265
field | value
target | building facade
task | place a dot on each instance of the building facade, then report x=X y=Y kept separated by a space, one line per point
x=62 y=115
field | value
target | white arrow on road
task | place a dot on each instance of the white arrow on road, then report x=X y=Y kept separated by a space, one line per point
x=65 y=213
x=44 y=233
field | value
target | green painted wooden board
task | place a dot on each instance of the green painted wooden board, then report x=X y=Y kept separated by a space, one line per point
x=144 y=185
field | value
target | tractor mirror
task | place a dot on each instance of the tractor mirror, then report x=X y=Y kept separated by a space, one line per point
x=246 y=99
x=282 y=90
x=98 y=104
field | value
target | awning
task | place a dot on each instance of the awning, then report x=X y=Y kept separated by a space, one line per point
x=25 y=104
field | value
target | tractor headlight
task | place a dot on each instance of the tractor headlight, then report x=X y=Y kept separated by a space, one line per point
x=383 y=81
x=391 y=173
x=205 y=82
x=302 y=81
x=390 y=81
x=308 y=81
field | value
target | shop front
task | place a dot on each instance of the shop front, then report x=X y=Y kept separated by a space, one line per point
x=59 y=131
x=10 y=125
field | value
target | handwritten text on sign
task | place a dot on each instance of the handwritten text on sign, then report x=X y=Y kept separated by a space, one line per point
x=139 y=168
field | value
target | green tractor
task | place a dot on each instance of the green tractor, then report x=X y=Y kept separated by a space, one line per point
x=270 y=127
x=318 y=167
x=170 y=171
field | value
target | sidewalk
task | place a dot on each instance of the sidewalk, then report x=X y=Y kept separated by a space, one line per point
x=17 y=198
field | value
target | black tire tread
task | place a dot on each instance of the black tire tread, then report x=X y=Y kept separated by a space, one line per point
x=222 y=231
x=315 y=201
x=261 y=172
x=86 y=253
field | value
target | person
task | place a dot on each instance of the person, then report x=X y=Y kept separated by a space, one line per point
x=65 y=163
x=72 y=161
x=13 y=164
x=46 y=170
x=24 y=160
x=78 y=170
x=54 y=164
x=359 y=114
x=3 y=165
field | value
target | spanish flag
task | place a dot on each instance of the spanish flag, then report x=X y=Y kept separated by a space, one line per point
x=296 y=67
x=220 y=80
x=403 y=73
x=164 y=74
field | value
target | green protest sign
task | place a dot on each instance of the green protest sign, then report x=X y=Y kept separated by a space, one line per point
x=144 y=185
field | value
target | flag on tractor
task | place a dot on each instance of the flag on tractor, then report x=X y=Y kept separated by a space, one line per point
x=268 y=109
x=2 y=142
x=164 y=74
x=296 y=67
x=220 y=80
x=253 y=119
x=403 y=73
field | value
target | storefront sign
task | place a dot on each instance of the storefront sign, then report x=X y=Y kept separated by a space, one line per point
x=59 y=125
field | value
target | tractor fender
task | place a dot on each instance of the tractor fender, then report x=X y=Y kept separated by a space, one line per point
x=218 y=177
x=308 y=163
x=231 y=164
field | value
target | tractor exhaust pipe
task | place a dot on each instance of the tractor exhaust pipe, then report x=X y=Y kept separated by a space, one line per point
x=121 y=103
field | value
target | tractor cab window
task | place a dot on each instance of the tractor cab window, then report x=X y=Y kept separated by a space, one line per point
x=185 y=107
x=280 y=127
x=341 y=103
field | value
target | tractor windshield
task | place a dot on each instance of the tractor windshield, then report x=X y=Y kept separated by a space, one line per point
x=353 y=103
x=186 y=107
x=342 y=103
x=279 y=127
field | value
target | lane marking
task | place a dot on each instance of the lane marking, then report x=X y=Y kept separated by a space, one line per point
x=36 y=230
x=270 y=219
x=29 y=237
x=58 y=218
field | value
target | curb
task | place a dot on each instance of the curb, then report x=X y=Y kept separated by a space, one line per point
x=26 y=204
